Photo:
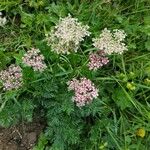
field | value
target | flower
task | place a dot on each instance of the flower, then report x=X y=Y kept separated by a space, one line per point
x=97 y=60
x=147 y=81
x=84 y=89
x=111 y=42
x=34 y=59
x=131 y=86
x=2 y=20
x=67 y=35
x=11 y=77
x=140 y=132
x=119 y=35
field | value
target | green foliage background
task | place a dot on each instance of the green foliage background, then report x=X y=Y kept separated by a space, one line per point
x=109 y=122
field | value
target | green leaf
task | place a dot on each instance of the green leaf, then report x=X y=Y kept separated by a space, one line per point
x=67 y=104
x=121 y=99
x=27 y=19
x=146 y=30
x=27 y=110
x=147 y=44
x=147 y=20
x=4 y=59
x=41 y=142
x=19 y=56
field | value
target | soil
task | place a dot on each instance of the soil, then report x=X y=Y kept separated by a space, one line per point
x=20 y=137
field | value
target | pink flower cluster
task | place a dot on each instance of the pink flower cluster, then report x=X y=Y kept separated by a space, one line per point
x=97 y=60
x=85 y=91
x=34 y=59
x=11 y=77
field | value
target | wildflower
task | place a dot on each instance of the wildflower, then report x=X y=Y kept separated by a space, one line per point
x=131 y=86
x=140 y=132
x=34 y=59
x=119 y=35
x=85 y=91
x=97 y=60
x=11 y=78
x=103 y=145
x=111 y=42
x=147 y=81
x=2 y=20
x=67 y=35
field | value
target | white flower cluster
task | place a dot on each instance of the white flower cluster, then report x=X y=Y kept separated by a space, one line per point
x=11 y=77
x=2 y=20
x=67 y=35
x=34 y=59
x=111 y=42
